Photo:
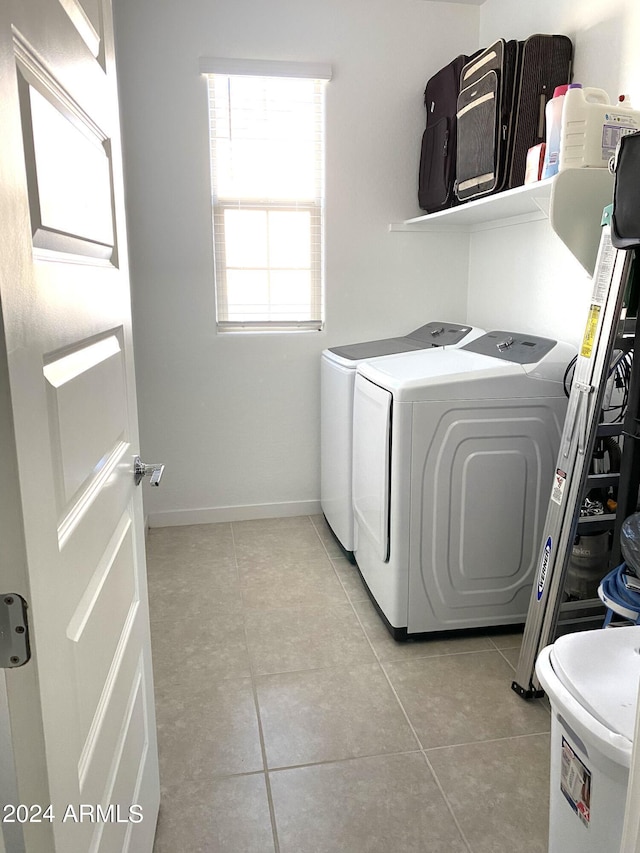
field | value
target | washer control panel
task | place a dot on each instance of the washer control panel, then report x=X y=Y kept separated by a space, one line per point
x=512 y=346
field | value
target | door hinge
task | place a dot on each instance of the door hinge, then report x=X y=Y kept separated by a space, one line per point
x=14 y=631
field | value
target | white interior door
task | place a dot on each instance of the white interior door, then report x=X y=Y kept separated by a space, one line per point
x=81 y=710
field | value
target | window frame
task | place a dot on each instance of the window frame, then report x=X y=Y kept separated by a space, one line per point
x=315 y=206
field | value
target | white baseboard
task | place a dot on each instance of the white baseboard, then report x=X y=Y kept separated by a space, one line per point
x=213 y=515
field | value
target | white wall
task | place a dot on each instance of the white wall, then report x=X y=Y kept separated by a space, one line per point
x=236 y=418
x=522 y=277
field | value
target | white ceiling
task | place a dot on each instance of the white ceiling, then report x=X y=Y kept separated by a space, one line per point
x=464 y=2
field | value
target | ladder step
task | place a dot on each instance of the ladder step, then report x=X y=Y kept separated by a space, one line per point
x=579 y=608
x=602 y=480
x=596 y=523
x=627 y=328
x=569 y=626
x=604 y=430
x=582 y=604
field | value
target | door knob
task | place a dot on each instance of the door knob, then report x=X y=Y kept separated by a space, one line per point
x=154 y=471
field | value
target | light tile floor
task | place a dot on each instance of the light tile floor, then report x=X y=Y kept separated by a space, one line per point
x=289 y=721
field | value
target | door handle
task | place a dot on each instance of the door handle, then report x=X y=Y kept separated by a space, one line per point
x=154 y=471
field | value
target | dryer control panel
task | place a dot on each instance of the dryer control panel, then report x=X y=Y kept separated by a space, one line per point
x=512 y=346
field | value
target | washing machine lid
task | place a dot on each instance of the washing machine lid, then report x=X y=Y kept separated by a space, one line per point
x=429 y=376
x=601 y=670
x=434 y=334
x=352 y=354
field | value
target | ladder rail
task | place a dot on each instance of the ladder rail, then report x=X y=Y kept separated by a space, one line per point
x=599 y=376
x=576 y=447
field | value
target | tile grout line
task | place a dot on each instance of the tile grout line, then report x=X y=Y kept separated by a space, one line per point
x=347 y=596
x=254 y=689
x=426 y=752
x=421 y=749
x=397 y=698
x=406 y=716
x=482 y=742
x=379 y=662
x=345 y=759
x=456 y=746
x=504 y=657
x=413 y=731
x=382 y=663
x=447 y=803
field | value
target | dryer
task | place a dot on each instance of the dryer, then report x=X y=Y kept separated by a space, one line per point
x=337 y=374
x=453 y=457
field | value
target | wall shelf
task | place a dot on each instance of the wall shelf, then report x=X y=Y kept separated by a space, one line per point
x=572 y=201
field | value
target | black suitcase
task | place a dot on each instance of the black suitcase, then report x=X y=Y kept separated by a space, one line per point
x=438 y=152
x=503 y=93
x=545 y=62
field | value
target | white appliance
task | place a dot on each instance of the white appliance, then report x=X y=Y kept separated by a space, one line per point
x=591 y=680
x=453 y=457
x=338 y=373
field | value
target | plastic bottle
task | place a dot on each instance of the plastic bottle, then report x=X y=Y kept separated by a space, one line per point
x=553 y=121
x=592 y=127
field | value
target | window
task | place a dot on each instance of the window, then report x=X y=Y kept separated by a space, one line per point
x=266 y=128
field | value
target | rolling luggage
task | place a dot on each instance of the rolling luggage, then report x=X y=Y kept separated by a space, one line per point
x=500 y=111
x=438 y=153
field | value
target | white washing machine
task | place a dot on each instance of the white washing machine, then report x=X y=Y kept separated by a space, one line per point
x=338 y=374
x=453 y=457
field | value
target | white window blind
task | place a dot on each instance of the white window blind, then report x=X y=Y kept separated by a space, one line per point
x=266 y=123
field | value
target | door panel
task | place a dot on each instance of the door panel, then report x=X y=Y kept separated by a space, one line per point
x=69 y=176
x=489 y=465
x=371 y=462
x=86 y=17
x=99 y=627
x=87 y=441
x=81 y=710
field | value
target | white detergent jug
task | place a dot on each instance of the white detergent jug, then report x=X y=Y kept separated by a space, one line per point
x=592 y=127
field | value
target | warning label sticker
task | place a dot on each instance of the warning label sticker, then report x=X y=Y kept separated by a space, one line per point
x=575 y=783
x=559 y=482
x=590 y=331
x=604 y=270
